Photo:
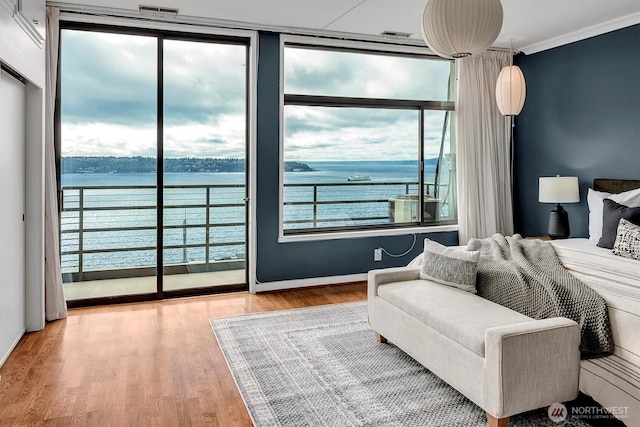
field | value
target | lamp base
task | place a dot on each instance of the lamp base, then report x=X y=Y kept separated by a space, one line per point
x=558 y=223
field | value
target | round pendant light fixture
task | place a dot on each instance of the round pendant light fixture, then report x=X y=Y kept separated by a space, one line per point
x=459 y=28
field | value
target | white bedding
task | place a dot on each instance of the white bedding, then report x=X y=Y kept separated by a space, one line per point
x=583 y=256
x=613 y=381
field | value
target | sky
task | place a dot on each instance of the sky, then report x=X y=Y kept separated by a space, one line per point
x=109 y=85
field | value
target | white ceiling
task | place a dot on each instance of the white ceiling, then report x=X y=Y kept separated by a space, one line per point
x=532 y=25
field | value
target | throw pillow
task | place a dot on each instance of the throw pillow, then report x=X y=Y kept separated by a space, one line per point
x=611 y=215
x=627 y=242
x=450 y=266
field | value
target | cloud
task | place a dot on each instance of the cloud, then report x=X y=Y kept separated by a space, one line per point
x=359 y=133
x=313 y=133
x=338 y=73
x=106 y=139
x=108 y=78
x=225 y=140
x=109 y=100
x=109 y=96
x=203 y=81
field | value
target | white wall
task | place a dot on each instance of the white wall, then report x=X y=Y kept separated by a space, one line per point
x=22 y=50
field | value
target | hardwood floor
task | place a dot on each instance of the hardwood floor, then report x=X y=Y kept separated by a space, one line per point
x=145 y=364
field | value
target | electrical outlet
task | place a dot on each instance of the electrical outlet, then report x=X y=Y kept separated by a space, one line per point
x=377 y=254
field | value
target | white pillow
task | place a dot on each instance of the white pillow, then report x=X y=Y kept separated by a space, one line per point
x=450 y=266
x=595 y=202
x=629 y=198
x=595 y=199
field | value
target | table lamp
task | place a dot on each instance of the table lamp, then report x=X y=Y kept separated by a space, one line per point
x=558 y=189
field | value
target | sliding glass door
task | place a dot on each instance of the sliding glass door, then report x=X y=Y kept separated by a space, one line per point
x=204 y=164
x=131 y=106
x=108 y=123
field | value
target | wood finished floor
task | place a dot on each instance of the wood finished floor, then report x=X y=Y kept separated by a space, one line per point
x=145 y=364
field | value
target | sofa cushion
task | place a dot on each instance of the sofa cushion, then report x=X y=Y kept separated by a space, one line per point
x=459 y=315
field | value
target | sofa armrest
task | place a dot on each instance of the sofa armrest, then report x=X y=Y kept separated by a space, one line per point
x=379 y=277
x=376 y=278
x=531 y=365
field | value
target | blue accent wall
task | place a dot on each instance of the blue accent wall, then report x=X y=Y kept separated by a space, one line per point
x=581 y=118
x=298 y=260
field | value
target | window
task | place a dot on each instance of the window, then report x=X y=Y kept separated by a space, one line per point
x=363 y=132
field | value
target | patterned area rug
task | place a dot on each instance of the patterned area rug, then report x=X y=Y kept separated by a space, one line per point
x=322 y=366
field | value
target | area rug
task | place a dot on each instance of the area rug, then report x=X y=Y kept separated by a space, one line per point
x=322 y=366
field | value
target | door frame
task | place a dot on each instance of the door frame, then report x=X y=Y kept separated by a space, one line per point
x=195 y=33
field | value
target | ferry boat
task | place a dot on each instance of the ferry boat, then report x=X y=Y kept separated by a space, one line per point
x=359 y=178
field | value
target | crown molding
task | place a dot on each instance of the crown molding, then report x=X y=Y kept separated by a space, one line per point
x=585 y=33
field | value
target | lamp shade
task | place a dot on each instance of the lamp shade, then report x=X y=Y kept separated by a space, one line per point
x=559 y=189
x=511 y=91
x=459 y=28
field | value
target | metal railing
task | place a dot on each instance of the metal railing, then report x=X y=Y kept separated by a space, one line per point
x=107 y=221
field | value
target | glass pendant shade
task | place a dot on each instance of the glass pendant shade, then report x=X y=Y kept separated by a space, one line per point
x=511 y=91
x=459 y=28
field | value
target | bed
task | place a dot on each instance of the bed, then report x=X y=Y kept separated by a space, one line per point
x=613 y=381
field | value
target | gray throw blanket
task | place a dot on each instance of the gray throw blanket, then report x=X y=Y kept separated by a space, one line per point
x=527 y=276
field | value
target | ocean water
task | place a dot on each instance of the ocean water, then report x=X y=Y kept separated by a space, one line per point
x=134 y=210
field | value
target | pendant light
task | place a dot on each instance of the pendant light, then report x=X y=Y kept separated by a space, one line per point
x=459 y=28
x=511 y=90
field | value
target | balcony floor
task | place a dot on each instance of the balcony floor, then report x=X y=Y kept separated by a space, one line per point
x=145 y=285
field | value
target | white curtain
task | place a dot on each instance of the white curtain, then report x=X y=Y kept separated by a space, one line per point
x=55 y=305
x=483 y=150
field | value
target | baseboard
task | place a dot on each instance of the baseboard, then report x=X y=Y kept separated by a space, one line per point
x=305 y=283
x=12 y=347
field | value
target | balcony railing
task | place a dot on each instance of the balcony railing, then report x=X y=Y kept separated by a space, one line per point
x=111 y=231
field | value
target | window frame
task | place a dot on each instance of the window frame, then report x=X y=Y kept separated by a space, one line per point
x=327 y=233
x=184 y=32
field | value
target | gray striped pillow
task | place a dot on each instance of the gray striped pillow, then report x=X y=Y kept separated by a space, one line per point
x=450 y=266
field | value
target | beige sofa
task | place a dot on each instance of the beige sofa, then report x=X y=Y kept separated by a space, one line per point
x=503 y=361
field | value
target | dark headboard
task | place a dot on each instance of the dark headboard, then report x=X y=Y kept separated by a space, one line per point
x=615 y=185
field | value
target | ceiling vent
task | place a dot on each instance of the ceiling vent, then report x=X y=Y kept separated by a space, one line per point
x=158 y=12
x=395 y=34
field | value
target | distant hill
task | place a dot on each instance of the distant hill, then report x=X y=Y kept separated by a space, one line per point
x=112 y=164
x=297 y=167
